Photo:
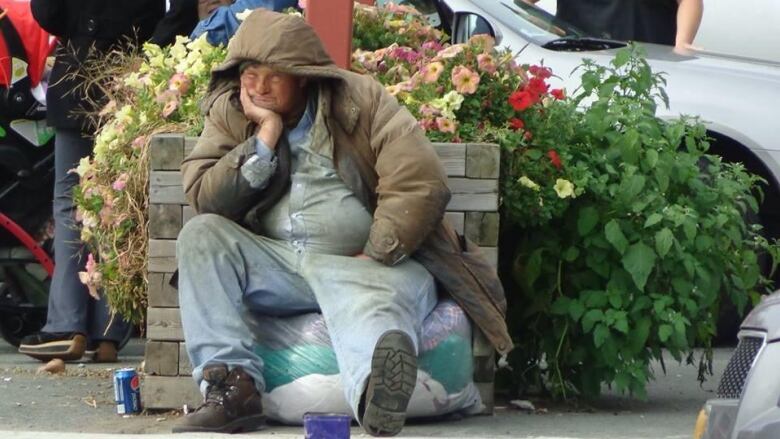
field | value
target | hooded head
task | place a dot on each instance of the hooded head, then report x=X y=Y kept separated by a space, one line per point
x=281 y=42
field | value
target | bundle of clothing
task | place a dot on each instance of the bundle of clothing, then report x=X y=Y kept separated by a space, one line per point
x=302 y=375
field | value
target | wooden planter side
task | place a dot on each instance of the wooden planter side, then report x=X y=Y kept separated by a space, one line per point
x=473 y=210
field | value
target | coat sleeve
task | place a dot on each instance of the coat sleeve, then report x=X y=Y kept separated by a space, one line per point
x=211 y=174
x=179 y=20
x=52 y=15
x=412 y=191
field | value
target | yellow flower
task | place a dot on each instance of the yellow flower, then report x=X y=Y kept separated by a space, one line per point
x=152 y=50
x=125 y=114
x=197 y=68
x=83 y=167
x=564 y=188
x=157 y=61
x=527 y=182
x=448 y=104
x=200 y=44
x=132 y=80
x=393 y=89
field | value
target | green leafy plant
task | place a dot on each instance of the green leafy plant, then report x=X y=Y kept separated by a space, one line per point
x=642 y=259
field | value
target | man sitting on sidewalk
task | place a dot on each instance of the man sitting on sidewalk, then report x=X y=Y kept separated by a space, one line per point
x=316 y=192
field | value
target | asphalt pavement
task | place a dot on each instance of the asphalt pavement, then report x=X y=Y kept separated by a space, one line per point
x=80 y=401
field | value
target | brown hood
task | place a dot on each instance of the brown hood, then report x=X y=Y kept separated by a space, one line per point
x=282 y=41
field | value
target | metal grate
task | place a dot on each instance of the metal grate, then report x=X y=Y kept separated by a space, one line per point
x=733 y=379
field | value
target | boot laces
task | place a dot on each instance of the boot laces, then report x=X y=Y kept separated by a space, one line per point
x=217 y=393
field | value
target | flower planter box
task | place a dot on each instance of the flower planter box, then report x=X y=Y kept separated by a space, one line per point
x=473 y=179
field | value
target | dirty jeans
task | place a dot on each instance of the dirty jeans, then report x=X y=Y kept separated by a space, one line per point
x=228 y=276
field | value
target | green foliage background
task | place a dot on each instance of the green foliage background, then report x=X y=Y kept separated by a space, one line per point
x=644 y=258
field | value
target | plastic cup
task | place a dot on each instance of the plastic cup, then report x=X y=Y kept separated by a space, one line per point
x=326 y=425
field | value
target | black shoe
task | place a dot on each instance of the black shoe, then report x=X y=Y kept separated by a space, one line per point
x=390 y=386
x=232 y=404
x=46 y=346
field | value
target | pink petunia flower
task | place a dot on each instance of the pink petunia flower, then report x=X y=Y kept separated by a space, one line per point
x=180 y=83
x=427 y=110
x=451 y=51
x=91 y=277
x=464 y=80
x=431 y=72
x=120 y=183
x=485 y=41
x=486 y=63
x=445 y=125
x=170 y=107
x=432 y=45
x=139 y=142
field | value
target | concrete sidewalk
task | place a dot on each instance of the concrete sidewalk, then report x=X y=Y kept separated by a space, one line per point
x=81 y=401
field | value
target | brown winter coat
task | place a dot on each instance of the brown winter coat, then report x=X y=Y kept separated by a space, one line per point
x=379 y=151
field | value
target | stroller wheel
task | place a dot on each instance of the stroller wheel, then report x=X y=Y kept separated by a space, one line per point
x=22 y=303
x=17 y=324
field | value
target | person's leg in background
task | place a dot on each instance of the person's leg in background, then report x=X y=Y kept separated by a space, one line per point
x=73 y=315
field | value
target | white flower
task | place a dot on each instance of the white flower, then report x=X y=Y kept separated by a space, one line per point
x=157 y=62
x=89 y=220
x=83 y=167
x=151 y=50
x=132 y=81
x=527 y=182
x=125 y=115
x=197 y=68
x=448 y=104
x=200 y=44
x=564 y=188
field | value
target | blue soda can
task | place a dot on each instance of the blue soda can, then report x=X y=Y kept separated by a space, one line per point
x=127 y=391
x=326 y=425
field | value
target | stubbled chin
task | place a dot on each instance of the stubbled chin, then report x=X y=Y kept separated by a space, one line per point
x=268 y=105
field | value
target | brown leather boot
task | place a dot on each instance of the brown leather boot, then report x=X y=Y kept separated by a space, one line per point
x=232 y=404
x=103 y=351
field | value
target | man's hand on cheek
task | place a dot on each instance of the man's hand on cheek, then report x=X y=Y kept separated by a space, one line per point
x=269 y=123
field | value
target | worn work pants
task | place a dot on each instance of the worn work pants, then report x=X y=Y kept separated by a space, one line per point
x=227 y=273
x=71 y=308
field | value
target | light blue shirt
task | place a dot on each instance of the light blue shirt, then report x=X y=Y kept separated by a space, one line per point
x=220 y=26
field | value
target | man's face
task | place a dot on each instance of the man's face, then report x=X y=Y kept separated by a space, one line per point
x=279 y=92
x=206 y=7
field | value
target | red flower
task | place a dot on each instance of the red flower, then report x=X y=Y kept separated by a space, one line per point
x=557 y=93
x=536 y=87
x=520 y=100
x=542 y=72
x=528 y=136
x=516 y=124
x=555 y=159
